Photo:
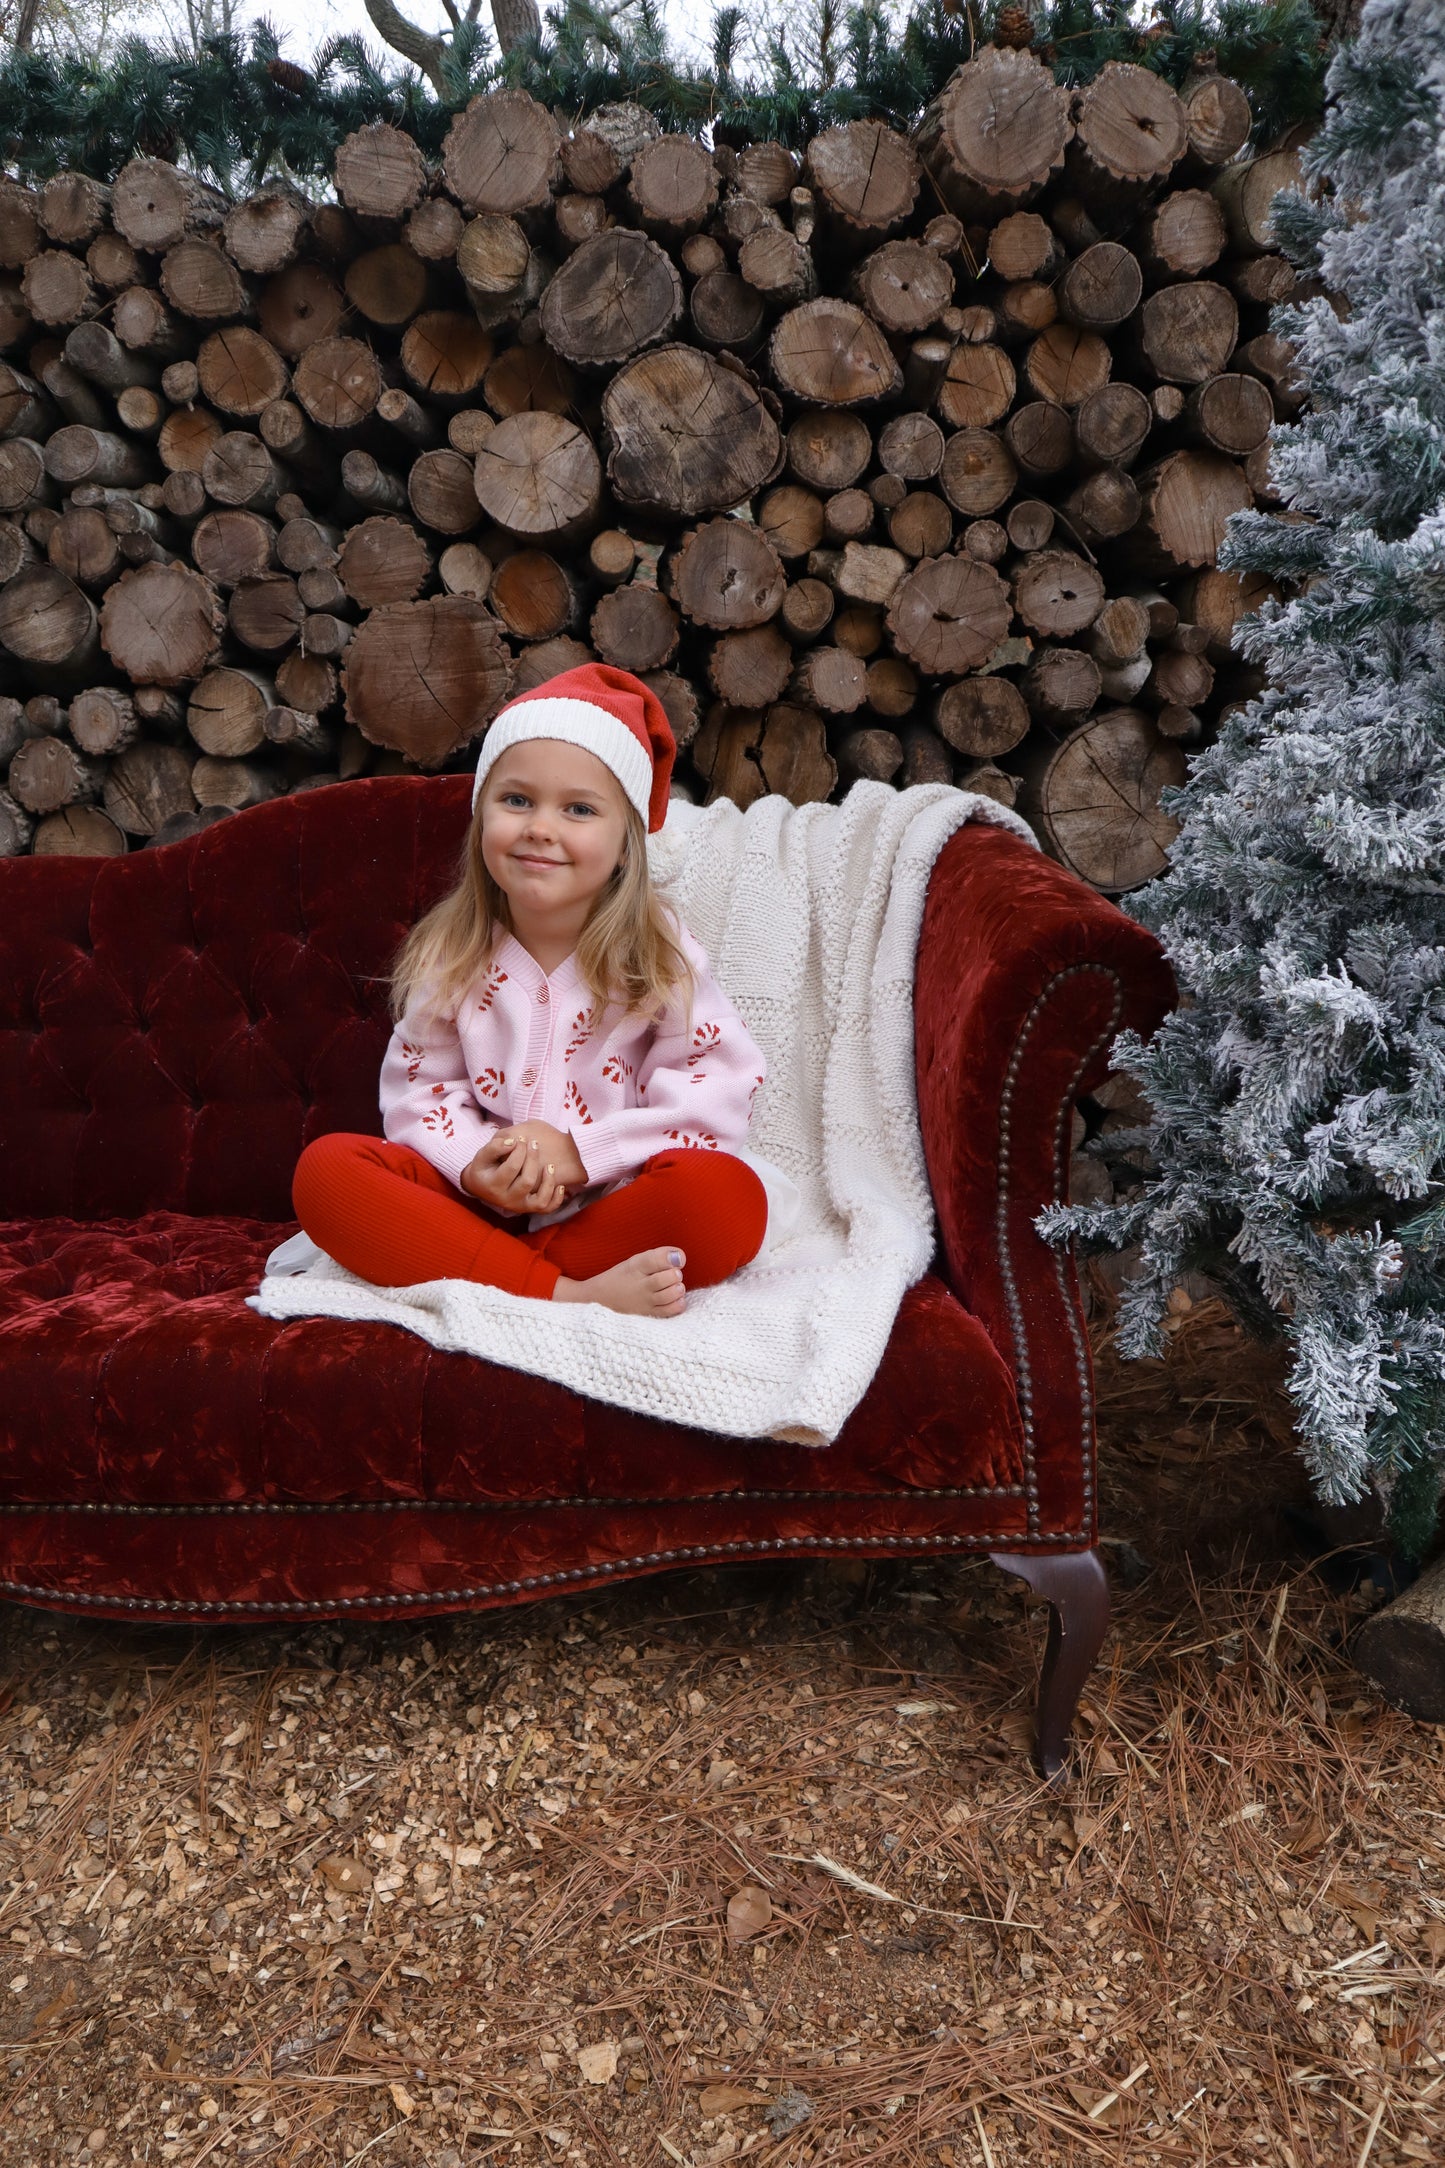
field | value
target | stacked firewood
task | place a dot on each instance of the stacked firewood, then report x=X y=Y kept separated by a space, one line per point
x=906 y=459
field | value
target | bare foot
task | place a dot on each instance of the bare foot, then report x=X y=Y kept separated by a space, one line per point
x=647 y=1285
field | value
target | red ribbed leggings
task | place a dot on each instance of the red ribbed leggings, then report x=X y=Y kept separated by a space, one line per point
x=391 y=1217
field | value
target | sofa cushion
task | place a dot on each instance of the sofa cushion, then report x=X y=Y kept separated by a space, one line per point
x=135 y=1375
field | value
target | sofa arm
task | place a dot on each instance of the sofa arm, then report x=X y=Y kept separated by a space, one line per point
x=1024 y=977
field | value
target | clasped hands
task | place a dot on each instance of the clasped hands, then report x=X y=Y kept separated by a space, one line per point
x=525 y=1167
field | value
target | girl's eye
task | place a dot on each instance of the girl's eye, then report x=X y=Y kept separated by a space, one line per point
x=579 y=805
x=513 y=797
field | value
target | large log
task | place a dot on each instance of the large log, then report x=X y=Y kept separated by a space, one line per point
x=538 y=476
x=200 y=280
x=830 y=354
x=614 y=296
x=865 y=178
x=1188 y=331
x=57 y=288
x=338 y=381
x=263 y=233
x=298 y=307
x=1188 y=499
x=155 y=205
x=995 y=134
x=978 y=386
x=829 y=448
x=904 y=286
x=1218 y=118
x=535 y=597
x=978 y=472
x=672 y=187
x=728 y=576
x=383 y=560
x=1245 y=193
x=501 y=154
x=72 y=208
x=1057 y=594
x=226 y=713
x=380 y=172
x=441 y=490
x=1095 y=800
x=688 y=434
x=46 y=621
x=727 y=312
x=1130 y=130
x=949 y=615
x=635 y=628
x=83 y=547
x=161 y=624
x=149 y=785
x=445 y=354
x=387 y=285
x=425 y=678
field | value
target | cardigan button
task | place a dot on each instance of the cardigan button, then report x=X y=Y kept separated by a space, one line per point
x=543 y=996
x=529 y=1078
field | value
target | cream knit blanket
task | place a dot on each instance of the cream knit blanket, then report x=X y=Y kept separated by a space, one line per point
x=810 y=917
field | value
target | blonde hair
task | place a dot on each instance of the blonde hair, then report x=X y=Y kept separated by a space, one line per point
x=628 y=951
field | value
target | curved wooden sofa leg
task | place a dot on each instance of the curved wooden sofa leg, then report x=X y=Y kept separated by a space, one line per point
x=1077 y=1590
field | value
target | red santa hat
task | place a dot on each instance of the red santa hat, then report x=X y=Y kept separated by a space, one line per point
x=607 y=712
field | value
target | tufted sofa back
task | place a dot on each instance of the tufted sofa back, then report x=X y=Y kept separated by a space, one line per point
x=177 y=1024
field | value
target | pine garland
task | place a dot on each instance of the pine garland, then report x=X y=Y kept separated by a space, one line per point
x=238 y=112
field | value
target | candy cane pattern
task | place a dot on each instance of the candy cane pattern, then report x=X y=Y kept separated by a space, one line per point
x=705 y=1141
x=752 y=1095
x=490 y=1082
x=495 y=979
x=438 y=1118
x=582 y=1024
x=416 y=1055
x=574 y=1103
x=616 y=1070
x=705 y=1040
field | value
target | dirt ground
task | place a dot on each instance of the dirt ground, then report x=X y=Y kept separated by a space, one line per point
x=742 y=1863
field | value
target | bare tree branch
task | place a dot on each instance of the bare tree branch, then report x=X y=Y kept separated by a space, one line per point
x=427 y=50
x=424 y=49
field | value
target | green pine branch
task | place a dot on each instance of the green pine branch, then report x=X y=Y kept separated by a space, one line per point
x=235 y=112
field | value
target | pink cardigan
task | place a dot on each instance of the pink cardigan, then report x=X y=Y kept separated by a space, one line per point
x=526 y=1047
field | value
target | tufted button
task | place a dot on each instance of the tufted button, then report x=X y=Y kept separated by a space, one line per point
x=529 y=1078
x=543 y=997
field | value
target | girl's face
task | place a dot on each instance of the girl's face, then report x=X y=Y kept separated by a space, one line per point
x=554 y=821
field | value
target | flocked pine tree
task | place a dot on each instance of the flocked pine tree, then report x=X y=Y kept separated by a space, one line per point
x=1298 y=1094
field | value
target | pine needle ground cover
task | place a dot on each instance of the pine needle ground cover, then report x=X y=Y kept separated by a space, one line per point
x=544 y=1885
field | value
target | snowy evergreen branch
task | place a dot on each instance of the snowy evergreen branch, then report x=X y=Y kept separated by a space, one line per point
x=1296 y=1150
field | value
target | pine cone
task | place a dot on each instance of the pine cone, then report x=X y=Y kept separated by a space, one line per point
x=1015 y=28
x=290 y=77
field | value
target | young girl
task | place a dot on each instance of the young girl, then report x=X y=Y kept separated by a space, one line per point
x=565 y=1078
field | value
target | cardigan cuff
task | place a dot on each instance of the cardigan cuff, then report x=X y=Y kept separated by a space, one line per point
x=607 y=1149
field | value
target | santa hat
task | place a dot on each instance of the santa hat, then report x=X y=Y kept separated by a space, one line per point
x=607 y=712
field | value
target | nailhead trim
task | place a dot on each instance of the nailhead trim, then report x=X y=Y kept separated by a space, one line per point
x=698 y=1553
x=510 y=1505
x=1023 y=1372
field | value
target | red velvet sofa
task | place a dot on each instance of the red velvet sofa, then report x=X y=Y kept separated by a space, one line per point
x=174 y=1027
